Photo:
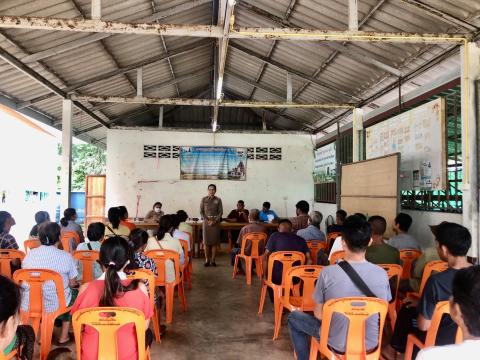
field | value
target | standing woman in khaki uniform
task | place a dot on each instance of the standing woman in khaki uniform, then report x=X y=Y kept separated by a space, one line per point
x=211 y=210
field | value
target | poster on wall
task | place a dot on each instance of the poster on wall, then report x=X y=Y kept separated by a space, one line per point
x=324 y=169
x=213 y=163
x=419 y=135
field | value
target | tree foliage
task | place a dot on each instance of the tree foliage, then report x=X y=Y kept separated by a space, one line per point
x=86 y=160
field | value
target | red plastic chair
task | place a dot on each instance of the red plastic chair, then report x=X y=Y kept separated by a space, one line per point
x=315 y=246
x=161 y=257
x=88 y=258
x=357 y=310
x=255 y=238
x=6 y=258
x=287 y=259
x=66 y=237
x=36 y=313
x=30 y=244
x=303 y=301
x=408 y=256
x=393 y=271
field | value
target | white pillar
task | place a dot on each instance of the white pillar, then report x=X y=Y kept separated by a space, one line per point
x=160 y=117
x=353 y=15
x=140 y=81
x=470 y=71
x=357 y=135
x=289 y=87
x=96 y=9
x=66 y=173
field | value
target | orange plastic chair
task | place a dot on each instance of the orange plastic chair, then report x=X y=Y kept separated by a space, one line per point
x=254 y=238
x=36 y=278
x=308 y=274
x=106 y=321
x=31 y=244
x=161 y=257
x=408 y=256
x=11 y=355
x=337 y=255
x=187 y=263
x=287 y=259
x=6 y=257
x=148 y=276
x=430 y=267
x=357 y=310
x=88 y=259
x=393 y=271
x=331 y=238
x=315 y=246
x=65 y=238
x=441 y=309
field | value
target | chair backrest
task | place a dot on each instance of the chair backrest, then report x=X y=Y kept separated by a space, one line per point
x=441 y=309
x=431 y=267
x=88 y=259
x=287 y=259
x=6 y=256
x=65 y=238
x=254 y=238
x=146 y=276
x=35 y=278
x=30 y=244
x=308 y=274
x=11 y=355
x=161 y=257
x=357 y=310
x=106 y=321
x=337 y=255
x=315 y=246
x=408 y=256
x=186 y=254
x=393 y=271
x=331 y=238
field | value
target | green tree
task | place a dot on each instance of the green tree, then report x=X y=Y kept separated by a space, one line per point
x=87 y=159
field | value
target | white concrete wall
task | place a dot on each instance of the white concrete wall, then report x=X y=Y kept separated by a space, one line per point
x=283 y=183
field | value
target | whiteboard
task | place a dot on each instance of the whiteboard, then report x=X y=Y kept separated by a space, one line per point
x=419 y=135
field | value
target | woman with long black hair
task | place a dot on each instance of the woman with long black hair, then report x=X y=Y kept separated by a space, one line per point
x=114 y=227
x=114 y=289
x=68 y=223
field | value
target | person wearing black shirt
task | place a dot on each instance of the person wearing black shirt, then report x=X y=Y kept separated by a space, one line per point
x=453 y=241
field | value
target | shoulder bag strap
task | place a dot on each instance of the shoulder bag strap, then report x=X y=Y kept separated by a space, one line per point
x=89 y=246
x=113 y=232
x=356 y=279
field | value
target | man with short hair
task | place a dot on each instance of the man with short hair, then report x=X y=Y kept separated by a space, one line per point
x=267 y=215
x=240 y=214
x=378 y=252
x=453 y=242
x=465 y=311
x=312 y=231
x=340 y=215
x=333 y=283
x=301 y=220
x=402 y=240
x=253 y=226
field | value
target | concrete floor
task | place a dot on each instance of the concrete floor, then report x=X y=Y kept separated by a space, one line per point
x=222 y=321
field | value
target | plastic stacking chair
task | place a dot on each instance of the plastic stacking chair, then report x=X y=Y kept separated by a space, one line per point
x=337 y=255
x=36 y=314
x=431 y=267
x=88 y=259
x=331 y=239
x=408 y=256
x=186 y=265
x=315 y=246
x=308 y=274
x=6 y=257
x=11 y=355
x=287 y=259
x=254 y=238
x=66 y=239
x=107 y=321
x=394 y=271
x=149 y=279
x=31 y=244
x=357 y=310
x=161 y=257
x=441 y=309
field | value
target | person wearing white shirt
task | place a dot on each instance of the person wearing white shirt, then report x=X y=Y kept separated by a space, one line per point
x=465 y=311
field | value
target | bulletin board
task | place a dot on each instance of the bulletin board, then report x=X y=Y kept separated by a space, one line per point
x=419 y=135
x=371 y=187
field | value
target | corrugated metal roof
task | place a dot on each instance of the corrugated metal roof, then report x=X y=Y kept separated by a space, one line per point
x=344 y=77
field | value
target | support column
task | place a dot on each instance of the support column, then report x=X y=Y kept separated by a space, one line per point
x=289 y=87
x=96 y=9
x=338 y=167
x=357 y=135
x=66 y=173
x=140 y=81
x=353 y=15
x=470 y=71
x=160 y=117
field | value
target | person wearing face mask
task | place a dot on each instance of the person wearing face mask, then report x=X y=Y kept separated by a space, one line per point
x=155 y=214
